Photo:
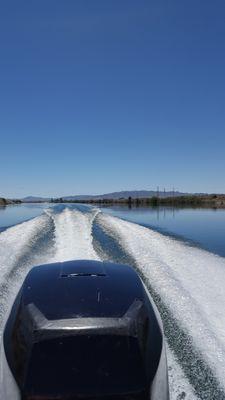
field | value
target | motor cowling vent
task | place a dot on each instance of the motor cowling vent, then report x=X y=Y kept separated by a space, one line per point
x=74 y=275
x=69 y=270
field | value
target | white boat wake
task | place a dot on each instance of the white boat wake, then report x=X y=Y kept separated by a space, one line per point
x=21 y=246
x=73 y=235
x=190 y=281
x=16 y=242
x=187 y=283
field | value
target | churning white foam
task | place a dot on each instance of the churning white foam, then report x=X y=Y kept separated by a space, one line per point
x=17 y=241
x=73 y=235
x=21 y=247
x=191 y=282
x=179 y=386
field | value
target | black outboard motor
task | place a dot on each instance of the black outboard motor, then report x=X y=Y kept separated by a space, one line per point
x=83 y=330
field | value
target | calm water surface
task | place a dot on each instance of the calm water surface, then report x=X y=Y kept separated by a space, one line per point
x=201 y=227
x=15 y=214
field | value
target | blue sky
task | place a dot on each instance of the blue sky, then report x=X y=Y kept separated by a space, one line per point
x=107 y=95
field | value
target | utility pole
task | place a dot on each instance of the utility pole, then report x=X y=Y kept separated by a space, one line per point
x=173 y=201
x=157 y=192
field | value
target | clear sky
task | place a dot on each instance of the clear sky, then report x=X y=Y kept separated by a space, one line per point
x=105 y=95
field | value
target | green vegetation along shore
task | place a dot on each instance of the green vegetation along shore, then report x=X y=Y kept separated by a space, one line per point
x=5 y=202
x=206 y=200
x=211 y=201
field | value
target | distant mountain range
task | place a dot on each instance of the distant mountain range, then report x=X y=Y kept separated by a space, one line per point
x=30 y=199
x=114 y=195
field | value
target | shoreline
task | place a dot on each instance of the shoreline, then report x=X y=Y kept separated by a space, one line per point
x=6 y=202
x=208 y=201
x=212 y=201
